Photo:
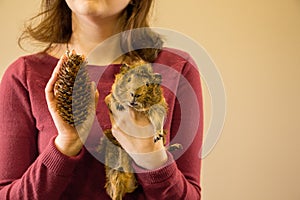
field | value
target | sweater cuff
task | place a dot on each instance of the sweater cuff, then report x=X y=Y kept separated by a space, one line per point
x=57 y=162
x=158 y=175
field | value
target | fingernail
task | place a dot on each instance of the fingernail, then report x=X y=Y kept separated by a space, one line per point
x=93 y=85
x=114 y=127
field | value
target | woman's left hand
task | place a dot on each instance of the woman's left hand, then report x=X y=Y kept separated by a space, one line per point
x=135 y=133
x=69 y=139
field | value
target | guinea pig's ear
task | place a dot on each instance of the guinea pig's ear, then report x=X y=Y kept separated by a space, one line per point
x=124 y=68
x=149 y=68
x=157 y=78
x=144 y=69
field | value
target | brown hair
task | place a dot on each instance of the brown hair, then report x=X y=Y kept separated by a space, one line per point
x=55 y=26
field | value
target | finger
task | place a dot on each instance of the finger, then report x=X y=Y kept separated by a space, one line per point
x=112 y=120
x=50 y=85
x=92 y=104
x=62 y=59
x=116 y=124
x=118 y=134
x=95 y=93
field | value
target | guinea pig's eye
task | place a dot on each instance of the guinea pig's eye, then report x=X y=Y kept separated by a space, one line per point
x=147 y=84
x=129 y=79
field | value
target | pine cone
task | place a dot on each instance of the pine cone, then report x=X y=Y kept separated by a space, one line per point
x=72 y=90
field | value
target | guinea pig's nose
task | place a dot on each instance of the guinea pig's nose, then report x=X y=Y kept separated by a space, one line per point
x=133 y=103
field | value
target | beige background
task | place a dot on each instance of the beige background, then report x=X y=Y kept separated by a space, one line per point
x=256 y=46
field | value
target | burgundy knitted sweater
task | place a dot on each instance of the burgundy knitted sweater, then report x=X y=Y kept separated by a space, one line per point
x=32 y=168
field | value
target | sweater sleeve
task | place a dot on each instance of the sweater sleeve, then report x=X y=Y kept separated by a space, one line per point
x=180 y=177
x=24 y=173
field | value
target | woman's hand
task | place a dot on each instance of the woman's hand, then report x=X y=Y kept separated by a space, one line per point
x=132 y=131
x=69 y=140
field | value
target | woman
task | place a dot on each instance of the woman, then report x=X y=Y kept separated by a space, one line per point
x=41 y=157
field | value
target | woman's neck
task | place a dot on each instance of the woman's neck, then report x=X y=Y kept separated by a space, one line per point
x=87 y=34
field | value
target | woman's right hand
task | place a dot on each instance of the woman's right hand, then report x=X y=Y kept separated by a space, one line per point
x=69 y=140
